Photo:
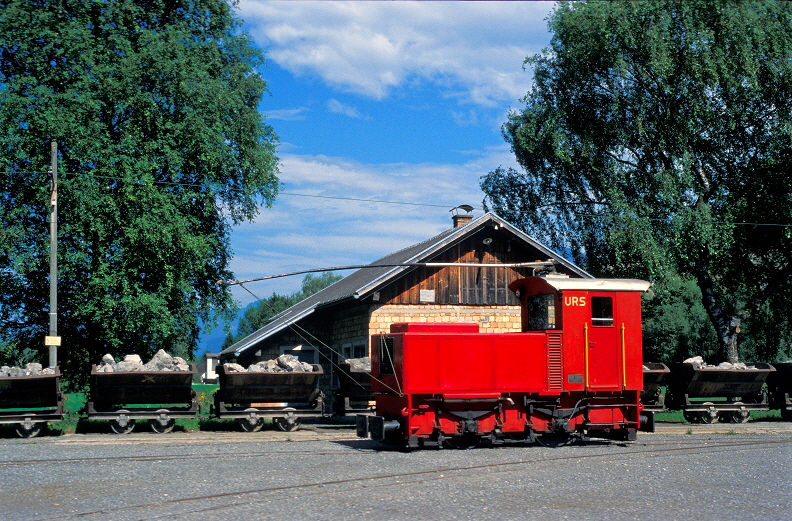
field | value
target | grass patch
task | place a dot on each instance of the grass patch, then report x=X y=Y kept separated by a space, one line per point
x=670 y=417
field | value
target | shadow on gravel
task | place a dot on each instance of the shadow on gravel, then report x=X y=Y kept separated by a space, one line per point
x=544 y=442
x=8 y=430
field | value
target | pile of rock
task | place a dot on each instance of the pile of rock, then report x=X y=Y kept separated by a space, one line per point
x=282 y=364
x=698 y=362
x=29 y=370
x=360 y=365
x=161 y=361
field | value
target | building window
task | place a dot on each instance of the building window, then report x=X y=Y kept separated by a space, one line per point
x=601 y=311
x=353 y=350
x=305 y=354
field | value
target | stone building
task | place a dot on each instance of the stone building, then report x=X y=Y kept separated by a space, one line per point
x=337 y=322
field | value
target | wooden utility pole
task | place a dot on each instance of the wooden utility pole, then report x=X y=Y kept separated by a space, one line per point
x=53 y=340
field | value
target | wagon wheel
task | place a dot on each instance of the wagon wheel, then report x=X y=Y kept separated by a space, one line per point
x=287 y=424
x=710 y=415
x=246 y=426
x=125 y=428
x=690 y=416
x=163 y=424
x=251 y=422
x=741 y=416
x=28 y=431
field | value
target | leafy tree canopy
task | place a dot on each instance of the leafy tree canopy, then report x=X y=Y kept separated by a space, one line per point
x=657 y=141
x=154 y=107
x=258 y=316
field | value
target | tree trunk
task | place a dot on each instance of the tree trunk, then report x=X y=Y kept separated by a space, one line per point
x=726 y=326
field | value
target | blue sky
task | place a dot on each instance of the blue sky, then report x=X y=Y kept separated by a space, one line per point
x=385 y=101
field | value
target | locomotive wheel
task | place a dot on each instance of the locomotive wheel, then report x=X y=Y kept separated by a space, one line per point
x=122 y=429
x=285 y=425
x=708 y=416
x=461 y=442
x=32 y=432
x=245 y=425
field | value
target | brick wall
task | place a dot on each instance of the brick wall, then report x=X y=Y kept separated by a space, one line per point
x=501 y=319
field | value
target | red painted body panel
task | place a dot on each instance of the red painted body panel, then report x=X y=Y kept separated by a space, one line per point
x=584 y=374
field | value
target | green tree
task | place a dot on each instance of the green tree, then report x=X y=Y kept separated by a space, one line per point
x=656 y=141
x=258 y=316
x=162 y=149
x=676 y=325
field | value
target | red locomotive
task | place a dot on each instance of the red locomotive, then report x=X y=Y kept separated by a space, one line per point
x=575 y=370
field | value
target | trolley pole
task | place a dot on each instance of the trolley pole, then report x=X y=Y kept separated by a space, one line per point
x=53 y=341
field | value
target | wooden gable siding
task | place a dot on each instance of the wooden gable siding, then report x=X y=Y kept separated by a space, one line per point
x=466 y=286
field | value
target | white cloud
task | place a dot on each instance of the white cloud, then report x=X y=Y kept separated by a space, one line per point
x=333 y=105
x=293 y=114
x=371 y=48
x=308 y=232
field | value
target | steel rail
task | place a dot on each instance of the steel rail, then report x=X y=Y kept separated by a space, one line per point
x=385 y=480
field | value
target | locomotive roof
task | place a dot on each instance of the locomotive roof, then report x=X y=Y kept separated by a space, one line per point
x=570 y=284
x=364 y=282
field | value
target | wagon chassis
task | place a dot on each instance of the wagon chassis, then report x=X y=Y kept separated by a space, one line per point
x=29 y=422
x=734 y=410
x=285 y=415
x=30 y=401
x=161 y=419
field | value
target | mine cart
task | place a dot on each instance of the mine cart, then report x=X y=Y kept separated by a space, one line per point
x=354 y=394
x=29 y=401
x=709 y=394
x=653 y=378
x=157 y=396
x=286 y=397
x=779 y=385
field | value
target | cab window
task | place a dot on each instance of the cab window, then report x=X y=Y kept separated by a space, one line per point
x=541 y=312
x=602 y=311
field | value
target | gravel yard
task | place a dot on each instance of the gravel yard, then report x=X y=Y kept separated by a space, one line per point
x=740 y=472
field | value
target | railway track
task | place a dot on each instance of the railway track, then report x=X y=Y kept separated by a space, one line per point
x=667 y=448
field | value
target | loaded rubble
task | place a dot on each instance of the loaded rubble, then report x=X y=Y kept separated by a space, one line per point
x=31 y=369
x=282 y=364
x=361 y=365
x=698 y=362
x=161 y=361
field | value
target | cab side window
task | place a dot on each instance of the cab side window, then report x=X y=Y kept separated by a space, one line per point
x=541 y=312
x=602 y=311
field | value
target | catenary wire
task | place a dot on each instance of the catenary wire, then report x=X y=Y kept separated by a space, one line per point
x=379 y=201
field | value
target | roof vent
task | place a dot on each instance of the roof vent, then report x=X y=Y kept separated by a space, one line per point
x=459 y=218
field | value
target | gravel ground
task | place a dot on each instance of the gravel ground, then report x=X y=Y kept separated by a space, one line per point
x=740 y=473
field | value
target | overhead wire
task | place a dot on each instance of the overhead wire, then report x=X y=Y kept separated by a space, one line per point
x=299 y=330
x=364 y=200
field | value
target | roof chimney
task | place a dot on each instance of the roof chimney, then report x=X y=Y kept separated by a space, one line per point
x=461 y=219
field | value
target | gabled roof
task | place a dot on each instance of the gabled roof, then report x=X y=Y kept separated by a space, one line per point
x=365 y=281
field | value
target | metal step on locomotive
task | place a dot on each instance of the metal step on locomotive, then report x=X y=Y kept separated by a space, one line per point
x=575 y=370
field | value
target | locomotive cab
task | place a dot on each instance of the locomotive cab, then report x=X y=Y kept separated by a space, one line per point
x=575 y=369
x=601 y=324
